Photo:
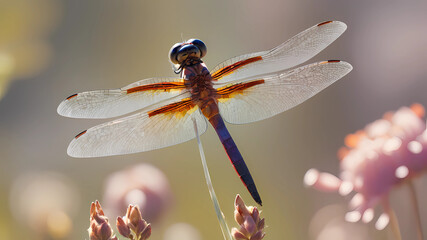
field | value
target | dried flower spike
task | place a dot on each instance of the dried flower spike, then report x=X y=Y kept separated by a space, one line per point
x=132 y=225
x=99 y=228
x=251 y=225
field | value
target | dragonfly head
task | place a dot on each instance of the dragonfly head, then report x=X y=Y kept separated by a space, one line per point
x=191 y=49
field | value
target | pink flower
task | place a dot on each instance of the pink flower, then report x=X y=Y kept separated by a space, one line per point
x=99 y=228
x=383 y=155
x=132 y=225
x=251 y=225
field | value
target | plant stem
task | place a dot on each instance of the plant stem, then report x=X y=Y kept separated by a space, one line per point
x=222 y=223
x=393 y=219
x=416 y=210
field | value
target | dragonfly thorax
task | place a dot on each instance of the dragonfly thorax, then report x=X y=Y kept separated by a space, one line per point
x=198 y=81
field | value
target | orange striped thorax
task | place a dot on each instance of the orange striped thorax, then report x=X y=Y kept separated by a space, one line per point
x=198 y=80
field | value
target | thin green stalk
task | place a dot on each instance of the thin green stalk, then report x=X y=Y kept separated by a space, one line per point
x=224 y=227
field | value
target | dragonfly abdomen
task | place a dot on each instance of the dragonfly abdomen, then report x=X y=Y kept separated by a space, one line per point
x=235 y=156
x=199 y=81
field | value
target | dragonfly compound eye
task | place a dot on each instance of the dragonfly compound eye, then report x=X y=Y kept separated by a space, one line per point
x=192 y=48
x=187 y=50
x=200 y=45
x=173 y=53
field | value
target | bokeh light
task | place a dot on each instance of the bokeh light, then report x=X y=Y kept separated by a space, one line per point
x=24 y=30
x=181 y=231
x=45 y=202
x=328 y=223
x=143 y=185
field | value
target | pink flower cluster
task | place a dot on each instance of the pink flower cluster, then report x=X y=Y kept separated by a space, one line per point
x=386 y=153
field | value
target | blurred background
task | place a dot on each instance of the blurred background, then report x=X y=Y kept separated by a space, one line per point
x=50 y=49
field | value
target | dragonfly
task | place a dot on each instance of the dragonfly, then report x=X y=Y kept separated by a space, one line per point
x=160 y=112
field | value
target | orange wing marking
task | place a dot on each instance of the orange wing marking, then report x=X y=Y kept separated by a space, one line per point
x=80 y=134
x=74 y=95
x=323 y=23
x=233 y=67
x=330 y=61
x=179 y=108
x=228 y=92
x=165 y=86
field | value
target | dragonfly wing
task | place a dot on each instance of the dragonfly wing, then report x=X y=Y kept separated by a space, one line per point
x=293 y=52
x=266 y=96
x=155 y=128
x=116 y=102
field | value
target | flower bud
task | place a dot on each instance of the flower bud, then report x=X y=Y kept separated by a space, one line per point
x=99 y=228
x=132 y=225
x=251 y=225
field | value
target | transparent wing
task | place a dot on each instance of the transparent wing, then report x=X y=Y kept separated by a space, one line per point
x=269 y=95
x=116 y=102
x=295 y=51
x=144 y=131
